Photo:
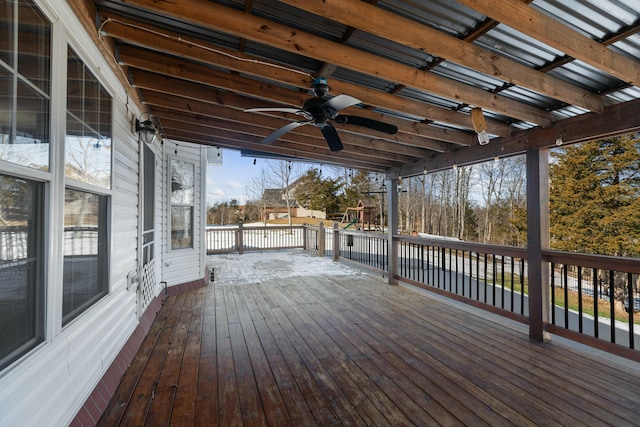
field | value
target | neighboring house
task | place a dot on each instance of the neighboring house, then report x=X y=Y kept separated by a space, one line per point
x=275 y=204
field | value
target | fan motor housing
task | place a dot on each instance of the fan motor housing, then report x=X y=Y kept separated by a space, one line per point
x=318 y=110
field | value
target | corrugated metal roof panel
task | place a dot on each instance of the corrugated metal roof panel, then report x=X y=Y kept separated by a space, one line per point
x=399 y=115
x=468 y=76
x=569 y=111
x=527 y=96
x=366 y=80
x=593 y=18
x=629 y=46
x=583 y=75
x=445 y=15
x=389 y=49
x=296 y=18
x=624 y=95
x=517 y=46
x=428 y=98
x=272 y=54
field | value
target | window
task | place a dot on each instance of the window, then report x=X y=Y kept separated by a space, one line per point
x=85 y=252
x=25 y=80
x=21 y=265
x=88 y=137
x=182 y=202
x=86 y=213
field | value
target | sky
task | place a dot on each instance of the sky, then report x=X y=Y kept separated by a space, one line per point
x=229 y=181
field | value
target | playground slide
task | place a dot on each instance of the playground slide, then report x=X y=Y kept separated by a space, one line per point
x=355 y=221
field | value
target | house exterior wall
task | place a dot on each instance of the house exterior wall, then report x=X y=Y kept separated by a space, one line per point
x=48 y=385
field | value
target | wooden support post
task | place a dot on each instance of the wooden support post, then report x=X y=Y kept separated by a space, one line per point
x=240 y=238
x=392 y=230
x=305 y=242
x=321 y=241
x=538 y=240
x=336 y=242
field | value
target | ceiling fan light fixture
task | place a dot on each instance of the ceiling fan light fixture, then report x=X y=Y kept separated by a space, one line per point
x=480 y=125
x=483 y=137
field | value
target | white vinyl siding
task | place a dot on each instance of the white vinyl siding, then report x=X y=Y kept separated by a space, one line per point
x=50 y=384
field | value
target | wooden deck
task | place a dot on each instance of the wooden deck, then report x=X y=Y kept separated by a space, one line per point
x=290 y=339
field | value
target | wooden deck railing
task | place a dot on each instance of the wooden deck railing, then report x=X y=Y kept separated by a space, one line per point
x=491 y=276
x=588 y=291
x=241 y=239
x=487 y=274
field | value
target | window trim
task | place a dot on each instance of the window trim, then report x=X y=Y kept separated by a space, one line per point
x=40 y=298
x=170 y=204
x=104 y=271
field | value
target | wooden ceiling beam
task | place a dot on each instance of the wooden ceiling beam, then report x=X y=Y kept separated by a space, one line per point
x=410 y=33
x=536 y=24
x=171 y=43
x=138 y=58
x=617 y=119
x=237 y=23
x=202 y=75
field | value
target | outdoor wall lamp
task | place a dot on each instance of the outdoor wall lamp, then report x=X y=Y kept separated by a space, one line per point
x=146 y=130
x=480 y=125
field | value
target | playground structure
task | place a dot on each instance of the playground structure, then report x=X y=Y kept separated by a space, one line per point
x=362 y=217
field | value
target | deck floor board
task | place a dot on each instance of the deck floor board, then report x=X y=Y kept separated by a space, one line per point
x=290 y=339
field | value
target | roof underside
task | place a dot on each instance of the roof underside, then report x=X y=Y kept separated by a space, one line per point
x=534 y=68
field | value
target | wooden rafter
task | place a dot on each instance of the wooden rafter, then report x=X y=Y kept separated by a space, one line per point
x=272 y=34
x=536 y=24
x=184 y=47
x=417 y=36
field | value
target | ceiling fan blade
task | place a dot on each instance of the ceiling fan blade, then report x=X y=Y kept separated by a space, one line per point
x=341 y=101
x=274 y=110
x=284 y=129
x=368 y=123
x=331 y=136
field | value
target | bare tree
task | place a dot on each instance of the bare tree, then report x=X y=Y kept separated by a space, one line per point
x=257 y=191
x=283 y=174
x=503 y=190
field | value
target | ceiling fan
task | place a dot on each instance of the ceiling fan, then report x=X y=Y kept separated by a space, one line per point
x=319 y=110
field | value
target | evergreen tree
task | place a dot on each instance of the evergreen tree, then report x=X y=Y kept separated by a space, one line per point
x=595 y=197
x=317 y=193
x=359 y=184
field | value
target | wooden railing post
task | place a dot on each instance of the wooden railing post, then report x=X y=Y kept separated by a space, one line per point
x=392 y=230
x=321 y=241
x=305 y=241
x=538 y=241
x=240 y=238
x=336 y=242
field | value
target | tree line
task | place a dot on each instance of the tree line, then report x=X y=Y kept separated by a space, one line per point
x=594 y=198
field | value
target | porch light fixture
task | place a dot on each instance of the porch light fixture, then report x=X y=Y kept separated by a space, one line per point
x=146 y=130
x=559 y=140
x=480 y=125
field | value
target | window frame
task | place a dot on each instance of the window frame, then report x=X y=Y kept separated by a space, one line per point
x=171 y=204
x=70 y=183
x=37 y=237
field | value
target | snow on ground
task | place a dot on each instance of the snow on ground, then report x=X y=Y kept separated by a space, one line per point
x=258 y=267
